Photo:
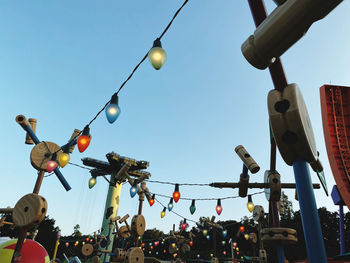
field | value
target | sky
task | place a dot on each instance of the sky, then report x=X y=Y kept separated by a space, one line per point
x=60 y=62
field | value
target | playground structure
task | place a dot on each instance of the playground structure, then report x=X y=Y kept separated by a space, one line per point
x=291 y=133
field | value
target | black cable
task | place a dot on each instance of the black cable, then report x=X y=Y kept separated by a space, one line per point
x=180 y=184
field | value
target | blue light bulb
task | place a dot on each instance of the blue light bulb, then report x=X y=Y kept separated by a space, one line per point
x=170 y=205
x=224 y=233
x=208 y=237
x=133 y=191
x=113 y=110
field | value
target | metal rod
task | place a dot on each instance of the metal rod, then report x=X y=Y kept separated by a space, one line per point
x=309 y=216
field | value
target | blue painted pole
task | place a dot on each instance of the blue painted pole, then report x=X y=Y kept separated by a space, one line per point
x=309 y=216
x=280 y=253
x=341 y=230
x=62 y=179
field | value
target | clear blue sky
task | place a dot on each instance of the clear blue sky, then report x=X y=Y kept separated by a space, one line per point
x=60 y=61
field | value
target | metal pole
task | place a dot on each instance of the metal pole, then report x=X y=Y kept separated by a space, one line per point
x=309 y=216
x=341 y=230
x=112 y=205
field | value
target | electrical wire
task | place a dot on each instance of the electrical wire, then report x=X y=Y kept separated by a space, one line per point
x=207 y=199
x=180 y=184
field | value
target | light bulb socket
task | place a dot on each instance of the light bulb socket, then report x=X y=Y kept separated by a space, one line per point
x=171 y=201
x=176 y=188
x=157 y=43
x=219 y=202
x=193 y=203
x=114 y=99
x=164 y=209
x=250 y=198
x=184 y=221
x=153 y=196
x=86 y=130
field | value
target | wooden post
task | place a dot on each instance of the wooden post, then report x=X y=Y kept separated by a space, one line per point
x=38 y=182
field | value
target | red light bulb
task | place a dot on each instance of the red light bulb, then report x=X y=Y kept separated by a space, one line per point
x=152 y=200
x=184 y=225
x=51 y=165
x=218 y=207
x=191 y=243
x=241 y=229
x=84 y=140
x=176 y=194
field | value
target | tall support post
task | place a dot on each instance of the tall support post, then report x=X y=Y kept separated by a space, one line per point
x=309 y=216
x=341 y=230
x=111 y=209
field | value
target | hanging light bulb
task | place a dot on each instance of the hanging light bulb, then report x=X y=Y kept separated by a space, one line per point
x=193 y=207
x=157 y=55
x=162 y=214
x=92 y=182
x=218 y=207
x=67 y=244
x=250 y=204
x=63 y=159
x=113 y=110
x=234 y=244
x=184 y=225
x=170 y=205
x=152 y=200
x=241 y=229
x=176 y=194
x=208 y=237
x=246 y=236
x=224 y=233
x=52 y=164
x=223 y=242
x=164 y=251
x=173 y=245
x=191 y=243
x=156 y=243
x=205 y=232
x=133 y=189
x=84 y=139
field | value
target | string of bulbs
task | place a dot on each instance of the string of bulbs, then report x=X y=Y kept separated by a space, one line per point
x=157 y=57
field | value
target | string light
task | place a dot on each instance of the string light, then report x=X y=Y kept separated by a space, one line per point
x=184 y=225
x=191 y=243
x=205 y=232
x=241 y=229
x=246 y=236
x=157 y=55
x=176 y=193
x=63 y=159
x=218 y=207
x=162 y=214
x=133 y=189
x=84 y=139
x=170 y=205
x=250 y=204
x=92 y=182
x=151 y=200
x=113 y=110
x=223 y=242
x=193 y=207
x=208 y=237
x=51 y=165
x=224 y=233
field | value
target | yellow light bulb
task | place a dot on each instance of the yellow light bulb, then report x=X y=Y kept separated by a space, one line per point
x=246 y=236
x=250 y=206
x=173 y=245
x=63 y=159
x=162 y=214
